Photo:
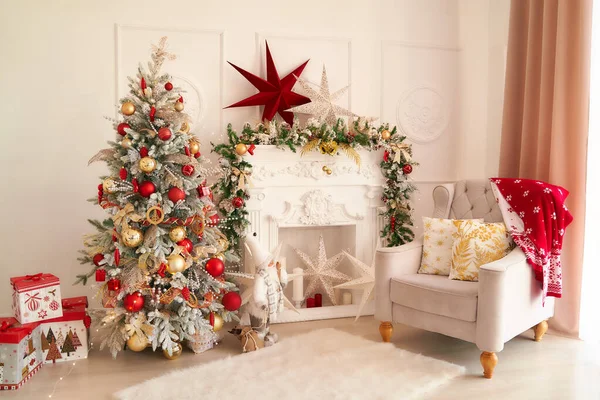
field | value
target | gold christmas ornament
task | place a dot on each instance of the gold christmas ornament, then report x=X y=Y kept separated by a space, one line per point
x=126 y=143
x=386 y=135
x=329 y=147
x=127 y=108
x=327 y=170
x=197 y=225
x=241 y=149
x=132 y=237
x=175 y=354
x=137 y=343
x=223 y=243
x=220 y=256
x=194 y=147
x=155 y=215
x=177 y=234
x=179 y=106
x=184 y=128
x=147 y=164
x=218 y=322
x=109 y=185
x=175 y=263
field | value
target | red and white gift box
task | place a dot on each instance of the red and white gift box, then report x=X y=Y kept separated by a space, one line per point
x=20 y=352
x=66 y=338
x=36 y=297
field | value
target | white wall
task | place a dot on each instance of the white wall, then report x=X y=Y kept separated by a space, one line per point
x=61 y=68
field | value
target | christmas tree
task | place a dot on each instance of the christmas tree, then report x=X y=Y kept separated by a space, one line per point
x=67 y=346
x=75 y=339
x=45 y=344
x=50 y=337
x=53 y=352
x=60 y=339
x=161 y=246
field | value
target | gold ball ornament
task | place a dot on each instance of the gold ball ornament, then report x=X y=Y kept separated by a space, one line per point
x=177 y=234
x=386 y=135
x=194 y=147
x=179 y=106
x=218 y=322
x=241 y=149
x=137 y=343
x=327 y=170
x=175 y=354
x=147 y=164
x=109 y=185
x=220 y=256
x=128 y=108
x=175 y=263
x=223 y=243
x=184 y=128
x=132 y=237
x=126 y=143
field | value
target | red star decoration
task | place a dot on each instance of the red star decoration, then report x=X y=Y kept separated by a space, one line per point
x=274 y=93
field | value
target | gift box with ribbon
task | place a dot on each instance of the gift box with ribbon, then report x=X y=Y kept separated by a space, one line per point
x=36 y=297
x=20 y=352
x=66 y=338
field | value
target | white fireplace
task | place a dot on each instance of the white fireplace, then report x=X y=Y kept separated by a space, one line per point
x=293 y=198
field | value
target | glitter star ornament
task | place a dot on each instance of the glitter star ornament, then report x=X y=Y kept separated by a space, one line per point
x=322 y=104
x=321 y=272
x=274 y=93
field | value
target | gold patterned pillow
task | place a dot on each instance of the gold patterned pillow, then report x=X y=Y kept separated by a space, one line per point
x=438 y=237
x=476 y=244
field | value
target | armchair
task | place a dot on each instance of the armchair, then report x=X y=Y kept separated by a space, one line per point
x=505 y=302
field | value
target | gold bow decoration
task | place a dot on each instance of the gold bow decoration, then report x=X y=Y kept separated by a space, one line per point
x=400 y=149
x=125 y=214
x=243 y=178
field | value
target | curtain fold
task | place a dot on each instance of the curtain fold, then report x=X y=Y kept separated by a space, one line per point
x=545 y=119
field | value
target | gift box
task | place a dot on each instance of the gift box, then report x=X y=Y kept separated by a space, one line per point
x=36 y=297
x=202 y=341
x=66 y=338
x=20 y=352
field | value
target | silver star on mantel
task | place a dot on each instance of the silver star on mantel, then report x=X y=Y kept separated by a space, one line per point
x=321 y=271
x=366 y=282
x=322 y=102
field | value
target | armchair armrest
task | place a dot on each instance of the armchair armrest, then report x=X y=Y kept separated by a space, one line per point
x=391 y=262
x=510 y=301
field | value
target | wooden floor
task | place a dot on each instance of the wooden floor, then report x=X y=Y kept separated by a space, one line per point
x=556 y=368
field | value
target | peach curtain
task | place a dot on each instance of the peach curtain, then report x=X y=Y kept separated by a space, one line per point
x=545 y=121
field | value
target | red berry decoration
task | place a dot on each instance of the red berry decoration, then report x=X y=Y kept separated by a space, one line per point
x=134 y=302
x=144 y=152
x=237 y=202
x=113 y=284
x=187 y=170
x=186 y=244
x=386 y=156
x=164 y=133
x=176 y=194
x=97 y=259
x=123 y=173
x=168 y=86
x=197 y=155
x=215 y=267
x=407 y=169
x=147 y=188
x=100 y=275
x=232 y=301
x=121 y=128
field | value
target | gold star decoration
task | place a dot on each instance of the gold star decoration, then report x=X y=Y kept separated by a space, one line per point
x=322 y=102
x=321 y=271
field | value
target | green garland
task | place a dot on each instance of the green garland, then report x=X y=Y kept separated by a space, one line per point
x=328 y=139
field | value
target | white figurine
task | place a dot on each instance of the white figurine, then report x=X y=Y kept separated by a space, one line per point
x=267 y=297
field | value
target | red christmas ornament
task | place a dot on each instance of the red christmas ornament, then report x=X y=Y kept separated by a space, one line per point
x=168 y=86
x=100 y=188
x=117 y=257
x=211 y=319
x=123 y=173
x=121 y=128
x=386 y=156
x=187 y=170
x=237 y=202
x=152 y=113
x=97 y=259
x=164 y=133
x=100 y=275
x=197 y=155
x=143 y=84
x=162 y=270
x=393 y=223
x=134 y=302
x=274 y=93
x=114 y=236
x=186 y=149
x=87 y=321
x=144 y=152
x=232 y=301
x=186 y=244
x=113 y=284
x=407 y=169
x=214 y=219
x=185 y=292
x=136 y=186
x=180 y=99
x=215 y=267
x=251 y=149
x=147 y=188
x=176 y=194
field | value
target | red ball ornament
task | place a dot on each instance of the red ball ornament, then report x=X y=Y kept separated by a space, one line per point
x=134 y=302
x=215 y=267
x=113 y=284
x=237 y=202
x=97 y=259
x=232 y=301
x=176 y=194
x=187 y=170
x=121 y=128
x=407 y=169
x=144 y=152
x=164 y=133
x=147 y=188
x=123 y=173
x=186 y=244
x=168 y=86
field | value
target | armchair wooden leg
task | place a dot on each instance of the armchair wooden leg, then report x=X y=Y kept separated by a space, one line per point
x=386 y=329
x=540 y=329
x=488 y=362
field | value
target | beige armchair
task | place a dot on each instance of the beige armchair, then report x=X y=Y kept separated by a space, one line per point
x=505 y=302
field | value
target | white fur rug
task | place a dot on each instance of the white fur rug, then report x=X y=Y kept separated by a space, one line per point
x=323 y=364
